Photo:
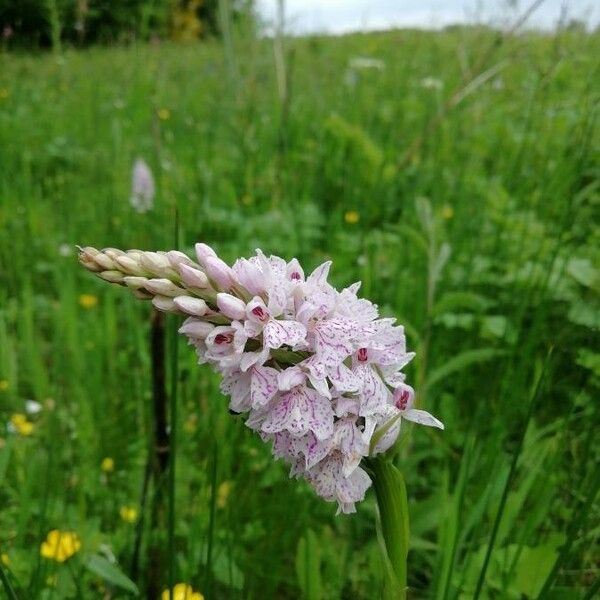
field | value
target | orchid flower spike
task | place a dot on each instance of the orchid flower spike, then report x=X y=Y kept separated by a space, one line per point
x=316 y=372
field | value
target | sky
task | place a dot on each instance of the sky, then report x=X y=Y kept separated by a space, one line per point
x=340 y=16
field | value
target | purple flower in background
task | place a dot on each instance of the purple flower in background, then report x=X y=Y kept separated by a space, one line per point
x=142 y=187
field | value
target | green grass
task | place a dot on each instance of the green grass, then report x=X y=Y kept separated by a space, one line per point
x=477 y=227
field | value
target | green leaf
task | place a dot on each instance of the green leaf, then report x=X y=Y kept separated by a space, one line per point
x=110 y=573
x=535 y=565
x=460 y=362
x=308 y=566
x=582 y=270
x=227 y=572
x=424 y=213
x=451 y=301
x=585 y=314
x=456 y=321
x=495 y=325
x=440 y=260
x=589 y=360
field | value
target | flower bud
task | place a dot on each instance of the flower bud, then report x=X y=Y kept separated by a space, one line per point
x=154 y=262
x=135 y=255
x=87 y=257
x=142 y=294
x=112 y=276
x=113 y=253
x=230 y=306
x=196 y=329
x=219 y=272
x=249 y=275
x=177 y=258
x=191 y=306
x=130 y=265
x=193 y=278
x=203 y=251
x=88 y=251
x=135 y=283
x=163 y=303
x=107 y=263
x=163 y=287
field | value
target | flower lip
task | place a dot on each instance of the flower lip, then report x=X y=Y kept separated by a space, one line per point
x=258 y=312
x=402 y=399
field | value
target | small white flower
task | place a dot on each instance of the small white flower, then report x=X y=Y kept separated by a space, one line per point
x=65 y=250
x=432 y=83
x=366 y=62
x=32 y=407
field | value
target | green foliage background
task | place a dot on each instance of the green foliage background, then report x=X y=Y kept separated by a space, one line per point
x=43 y=23
x=477 y=226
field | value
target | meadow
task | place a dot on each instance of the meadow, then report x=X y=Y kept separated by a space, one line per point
x=456 y=174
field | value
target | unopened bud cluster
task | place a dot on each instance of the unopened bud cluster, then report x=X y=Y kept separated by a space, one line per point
x=316 y=370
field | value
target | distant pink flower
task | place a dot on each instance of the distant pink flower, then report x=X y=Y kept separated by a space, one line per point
x=142 y=187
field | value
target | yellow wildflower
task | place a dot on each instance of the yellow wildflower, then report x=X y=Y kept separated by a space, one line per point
x=182 y=591
x=3 y=385
x=164 y=114
x=5 y=559
x=447 y=212
x=88 y=301
x=21 y=425
x=60 y=545
x=129 y=514
x=223 y=492
x=107 y=464
x=351 y=217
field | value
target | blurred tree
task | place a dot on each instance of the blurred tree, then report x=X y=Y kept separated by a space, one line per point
x=44 y=23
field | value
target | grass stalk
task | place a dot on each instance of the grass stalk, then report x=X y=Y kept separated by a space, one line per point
x=173 y=437
x=509 y=480
x=8 y=588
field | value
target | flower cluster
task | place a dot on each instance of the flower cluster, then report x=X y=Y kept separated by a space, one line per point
x=316 y=371
x=181 y=591
x=60 y=545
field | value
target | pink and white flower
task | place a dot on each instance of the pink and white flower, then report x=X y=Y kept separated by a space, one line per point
x=316 y=372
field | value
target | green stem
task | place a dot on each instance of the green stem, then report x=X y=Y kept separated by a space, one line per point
x=390 y=491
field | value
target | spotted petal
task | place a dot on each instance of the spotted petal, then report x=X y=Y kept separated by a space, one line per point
x=333 y=339
x=311 y=448
x=263 y=386
x=373 y=395
x=421 y=417
x=299 y=411
x=278 y=333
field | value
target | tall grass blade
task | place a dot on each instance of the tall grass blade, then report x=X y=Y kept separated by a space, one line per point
x=510 y=477
x=8 y=588
x=576 y=525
